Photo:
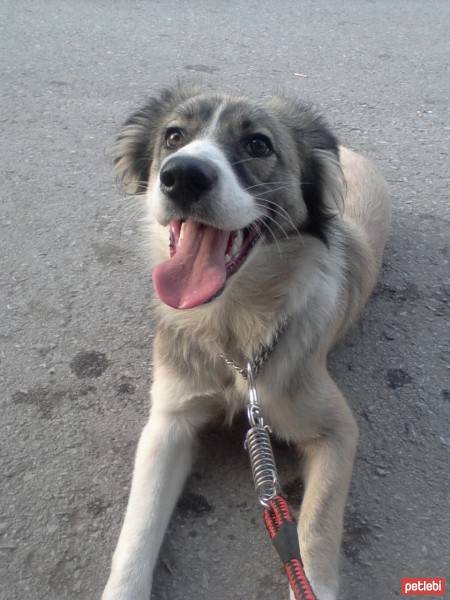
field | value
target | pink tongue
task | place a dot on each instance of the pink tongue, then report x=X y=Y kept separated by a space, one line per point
x=197 y=271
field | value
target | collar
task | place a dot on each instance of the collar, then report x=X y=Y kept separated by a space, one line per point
x=262 y=355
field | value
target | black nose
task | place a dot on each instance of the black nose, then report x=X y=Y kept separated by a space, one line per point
x=185 y=178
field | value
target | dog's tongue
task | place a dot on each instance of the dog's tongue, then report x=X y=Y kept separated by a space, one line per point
x=196 y=272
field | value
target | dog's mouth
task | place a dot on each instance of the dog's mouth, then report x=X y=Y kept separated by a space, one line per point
x=202 y=258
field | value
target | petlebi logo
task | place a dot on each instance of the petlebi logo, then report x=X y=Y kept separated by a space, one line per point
x=422 y=586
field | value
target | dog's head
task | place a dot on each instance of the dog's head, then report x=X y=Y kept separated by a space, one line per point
x=225 y=176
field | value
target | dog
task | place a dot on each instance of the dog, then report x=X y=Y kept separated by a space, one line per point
x=257 y=218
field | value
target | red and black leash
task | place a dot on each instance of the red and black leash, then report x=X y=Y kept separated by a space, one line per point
x=282 y=528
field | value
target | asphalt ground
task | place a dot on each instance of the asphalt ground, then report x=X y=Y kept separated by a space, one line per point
x=75 y=330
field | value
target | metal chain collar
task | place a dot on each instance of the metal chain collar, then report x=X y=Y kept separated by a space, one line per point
x=261 y=357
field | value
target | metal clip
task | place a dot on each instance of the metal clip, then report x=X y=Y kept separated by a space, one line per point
x=254 y=413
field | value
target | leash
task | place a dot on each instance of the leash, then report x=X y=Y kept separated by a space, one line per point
x=278 y=517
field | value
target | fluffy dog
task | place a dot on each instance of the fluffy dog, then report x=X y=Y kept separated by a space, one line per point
x=257 y=217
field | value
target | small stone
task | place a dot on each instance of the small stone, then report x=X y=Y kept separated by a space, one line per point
x=210 y=521
x=381 y=472
x=52 y=528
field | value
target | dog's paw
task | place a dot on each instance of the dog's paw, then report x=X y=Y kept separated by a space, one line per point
x=110 y=594
x=115 y=591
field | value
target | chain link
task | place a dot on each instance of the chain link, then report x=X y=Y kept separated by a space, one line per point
x=261 y=357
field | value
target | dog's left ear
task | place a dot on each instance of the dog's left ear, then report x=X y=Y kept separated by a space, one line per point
x=321 y=177
x=132 y=152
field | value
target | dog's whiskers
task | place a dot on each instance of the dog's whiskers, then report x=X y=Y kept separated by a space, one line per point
x=260 y=194
x=265 y=183
x=266 y=225
x=239 y=162
x=280 y=227
x=280 y=211
x=135 y=212
x=294 y=232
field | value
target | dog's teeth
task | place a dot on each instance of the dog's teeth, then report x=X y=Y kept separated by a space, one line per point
x=181 y=233
x=237 y=243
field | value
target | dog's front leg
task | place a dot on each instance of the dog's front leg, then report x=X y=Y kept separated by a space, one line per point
x=163 y=461
x=328 y=462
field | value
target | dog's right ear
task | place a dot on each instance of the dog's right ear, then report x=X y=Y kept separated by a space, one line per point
x=132 y=152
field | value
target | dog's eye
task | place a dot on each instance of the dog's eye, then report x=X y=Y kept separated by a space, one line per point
x=174 y=137
x=259 y=146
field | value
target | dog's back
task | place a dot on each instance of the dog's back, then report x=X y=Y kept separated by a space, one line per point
x=366 y=200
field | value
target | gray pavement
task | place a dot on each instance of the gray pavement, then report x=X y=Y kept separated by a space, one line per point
x=74 y=281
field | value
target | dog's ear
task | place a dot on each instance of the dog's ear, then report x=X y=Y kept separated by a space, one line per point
x=321 y=177
x=322 y=188
x=132 y=151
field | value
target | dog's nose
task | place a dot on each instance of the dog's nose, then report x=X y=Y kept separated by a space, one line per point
x=185 y=178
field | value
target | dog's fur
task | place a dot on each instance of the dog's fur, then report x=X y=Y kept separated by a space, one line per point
x=325 y=217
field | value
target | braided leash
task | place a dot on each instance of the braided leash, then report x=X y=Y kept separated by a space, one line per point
x=282 y=528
